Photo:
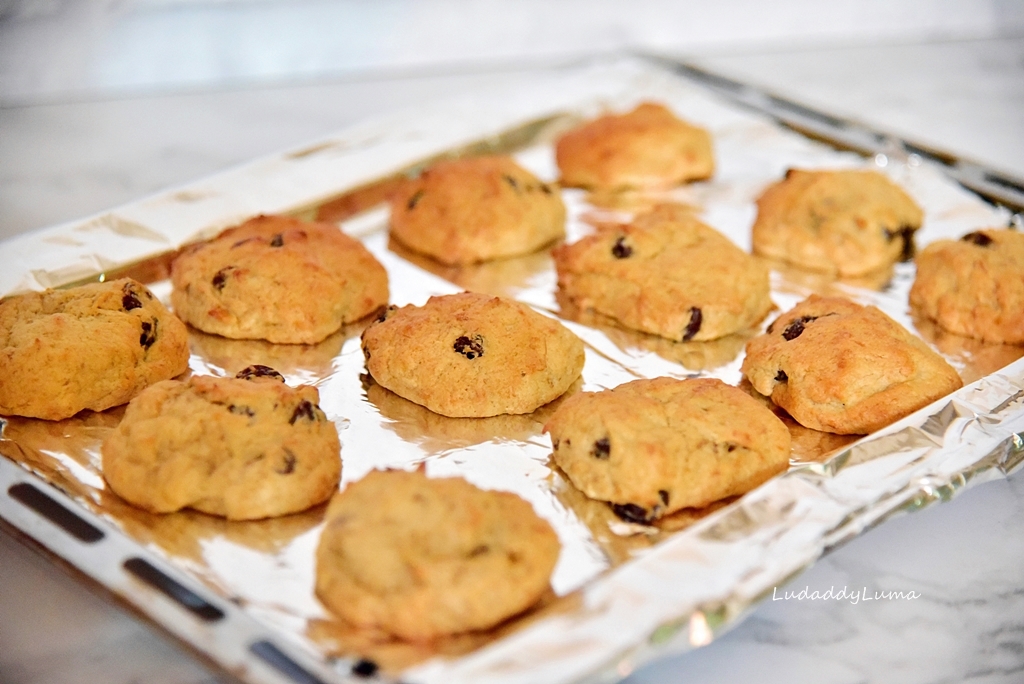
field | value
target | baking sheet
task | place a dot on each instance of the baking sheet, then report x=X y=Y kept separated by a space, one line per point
x=615 y=591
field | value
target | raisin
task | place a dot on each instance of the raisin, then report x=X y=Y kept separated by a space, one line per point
x=220 y=278
x=148 y=336
x=303 y=410
x=479 y=551
x=977 y=238
x=796 y=328
x=663 y=495
x=383 y=316
x=781 y=376
x=241 y=410
x=730 y=447
x=288 y=466
x=511 y=181
x=414 y=200
x=771 y=326
x=130 y=300
x=602 y=449
x=545 y=188
x=470 y=348
x=693 y=327
x=554 y=444
x=620 y=250
x=258 y=371
x=906 y=234
x=632 y=513
x=277 y=241
x=365 y=668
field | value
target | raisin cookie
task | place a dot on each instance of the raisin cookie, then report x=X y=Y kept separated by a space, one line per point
x=974 y=286
x=846 y=223
x=278 y=279
x=471 y=355
x=667 y=274
x=651 y=447
x=89 y=347
x=841 y=367
x=421 y=558
x=243 y=448
x=647 y=148
x=465 y=211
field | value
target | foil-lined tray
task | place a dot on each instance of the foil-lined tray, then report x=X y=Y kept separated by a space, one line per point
x=242 y=592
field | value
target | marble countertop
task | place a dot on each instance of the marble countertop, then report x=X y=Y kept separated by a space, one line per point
x=962 y=558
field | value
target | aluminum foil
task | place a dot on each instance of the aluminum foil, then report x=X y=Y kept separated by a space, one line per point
x=621 y=593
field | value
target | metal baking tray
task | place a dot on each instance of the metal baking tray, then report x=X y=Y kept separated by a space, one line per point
x=241 y=593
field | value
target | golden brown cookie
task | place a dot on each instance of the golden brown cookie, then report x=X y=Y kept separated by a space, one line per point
x=647 y=148
x=667 y=274
x=974 y=286
x=841 y=367
x=464 y=211
x=420 y=558
x=244 y=448
x=471 y=355
x=651 y=447
x=847 y=222
x=89 y=347
x=278 y=279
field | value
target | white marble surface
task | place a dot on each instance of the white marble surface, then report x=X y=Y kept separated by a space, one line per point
x=56 y=48
x=965 y=558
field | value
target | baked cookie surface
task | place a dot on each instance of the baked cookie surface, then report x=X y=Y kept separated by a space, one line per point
x=421 y=558
x=840 y=367
x=89 y=347
x=278 y=279
x=647 y=148
x=243 y=448
x=477 y=209
x=472 y=355
x=651 y=447
x=667 y=274
x=847 y=222
x=974 y=286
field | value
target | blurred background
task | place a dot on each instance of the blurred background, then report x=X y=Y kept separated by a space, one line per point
x=52 y=50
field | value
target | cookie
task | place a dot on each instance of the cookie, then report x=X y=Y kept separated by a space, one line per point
x=652 y=447
x=89 y=347
x=420 y=558
x=278 y=279
x=667 y=274
x=974 y=286
x=846 y=223
x=647 y=148
x=471 y=355
x=465 y=211
x=243 y=448
x=841 y=367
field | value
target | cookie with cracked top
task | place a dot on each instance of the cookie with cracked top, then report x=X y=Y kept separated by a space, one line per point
x=668 y=274
x=840 y=367
x=652 y=447
x=421 y=558
x=278 y=279
x=89 y=347
x=243 y=448
x=472 y=355
x=646 y=148
x=974 y=286
x=845 y=222
x=465 y=211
